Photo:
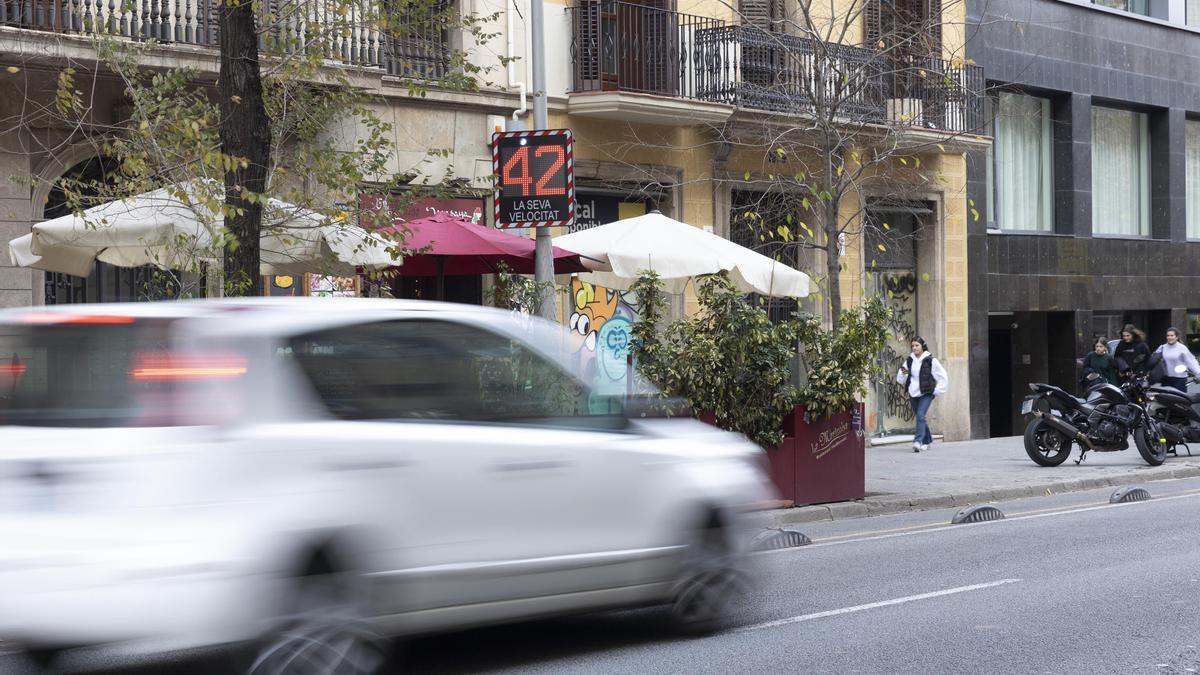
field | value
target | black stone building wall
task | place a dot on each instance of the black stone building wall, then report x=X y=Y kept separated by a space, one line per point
x=1077 y=55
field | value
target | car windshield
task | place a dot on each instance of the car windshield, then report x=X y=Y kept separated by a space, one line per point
x=101 y=371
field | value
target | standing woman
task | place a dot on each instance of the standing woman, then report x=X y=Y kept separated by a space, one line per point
x=1100 y=362
x=929 y=382
x=1174 y=354
x=1131 y=353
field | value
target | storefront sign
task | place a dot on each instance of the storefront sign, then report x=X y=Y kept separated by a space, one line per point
x=598 y=209
x=467 y=208
x=459 y=207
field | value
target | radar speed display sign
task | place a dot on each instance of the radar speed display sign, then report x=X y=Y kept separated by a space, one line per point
x=535 y=180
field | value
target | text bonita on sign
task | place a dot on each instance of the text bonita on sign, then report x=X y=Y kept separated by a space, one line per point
x=535 y=184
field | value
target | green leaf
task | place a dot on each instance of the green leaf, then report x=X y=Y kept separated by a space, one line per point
x=746 y=175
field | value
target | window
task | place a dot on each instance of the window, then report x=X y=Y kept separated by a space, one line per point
x=1133 y=6
x=112 y=371
x=1192 y=178
x=1193 y=332
x=1024 y=189
x=757 y=221
x=1192 y=13
x=440 y=370
x=1120 y=172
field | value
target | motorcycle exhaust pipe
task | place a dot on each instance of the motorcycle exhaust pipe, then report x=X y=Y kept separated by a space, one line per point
x=1067 y=429
x=1172 y=432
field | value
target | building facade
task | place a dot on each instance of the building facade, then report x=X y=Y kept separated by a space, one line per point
x=676 y=105
x=1089 y=201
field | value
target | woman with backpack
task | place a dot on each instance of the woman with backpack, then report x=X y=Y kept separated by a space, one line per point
x=930 y=381
x=1131 y=353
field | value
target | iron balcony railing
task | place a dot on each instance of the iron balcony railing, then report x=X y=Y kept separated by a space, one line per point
x=777 y=72
x=621 y=46
x=345 y=32
x=934 y=93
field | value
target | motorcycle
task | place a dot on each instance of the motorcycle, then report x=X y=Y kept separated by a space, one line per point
x=1101 y=422
x=1177 y=412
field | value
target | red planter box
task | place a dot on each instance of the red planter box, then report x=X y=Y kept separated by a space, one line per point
x=821 y=460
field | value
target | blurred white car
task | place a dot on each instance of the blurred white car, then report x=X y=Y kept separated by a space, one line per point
x=311 y=477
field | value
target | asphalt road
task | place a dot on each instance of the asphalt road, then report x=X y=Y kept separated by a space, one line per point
x=1072 y=586
x=1065 y=584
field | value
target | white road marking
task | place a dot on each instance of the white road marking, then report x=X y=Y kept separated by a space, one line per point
x=873 y=605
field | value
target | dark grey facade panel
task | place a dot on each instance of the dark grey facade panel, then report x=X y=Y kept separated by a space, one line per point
x=1077 y=56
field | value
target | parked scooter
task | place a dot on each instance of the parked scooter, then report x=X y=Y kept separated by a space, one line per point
x=1100 y=423
x=1178 y=413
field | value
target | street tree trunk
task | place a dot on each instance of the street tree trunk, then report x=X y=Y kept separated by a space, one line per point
x=833 y=263
x=245 y=133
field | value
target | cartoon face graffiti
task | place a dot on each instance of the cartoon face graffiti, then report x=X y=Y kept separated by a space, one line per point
x=590 y=312
x=601 y=324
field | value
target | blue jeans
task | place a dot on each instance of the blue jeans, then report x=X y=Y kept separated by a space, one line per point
x=1179 y=383
x=920 y=405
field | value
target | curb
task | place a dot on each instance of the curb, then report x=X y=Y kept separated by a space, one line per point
x=889 y=504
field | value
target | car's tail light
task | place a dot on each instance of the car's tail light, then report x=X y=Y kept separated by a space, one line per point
x=78 y=319
x=159 y=367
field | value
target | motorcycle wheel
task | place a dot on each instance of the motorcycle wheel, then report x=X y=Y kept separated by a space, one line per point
x=1045 y=445
x=1150 y=447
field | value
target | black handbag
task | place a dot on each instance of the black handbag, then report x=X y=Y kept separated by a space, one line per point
x=1158 y=367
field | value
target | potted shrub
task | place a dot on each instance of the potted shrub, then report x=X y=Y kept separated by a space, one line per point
x=729 y=362
x=829 y=453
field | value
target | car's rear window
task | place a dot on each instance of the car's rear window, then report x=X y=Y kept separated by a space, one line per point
x=97 y=372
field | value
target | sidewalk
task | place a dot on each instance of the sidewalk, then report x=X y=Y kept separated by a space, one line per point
x=974 y=472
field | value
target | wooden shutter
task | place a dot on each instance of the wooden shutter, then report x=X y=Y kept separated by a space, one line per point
x=933 y=20
x=872 y=24
x=758 y=62
x=588 y=45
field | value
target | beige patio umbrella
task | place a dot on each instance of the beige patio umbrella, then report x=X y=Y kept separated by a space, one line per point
x=677 y=252
x=167 y=229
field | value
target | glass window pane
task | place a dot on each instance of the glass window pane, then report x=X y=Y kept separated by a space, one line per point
x=1120 y=172
x=1192 y=178
x=1024 y=194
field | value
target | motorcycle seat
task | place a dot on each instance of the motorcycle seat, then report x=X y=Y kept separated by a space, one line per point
x=1194 y=398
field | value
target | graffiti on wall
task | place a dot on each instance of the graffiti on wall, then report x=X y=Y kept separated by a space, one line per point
x=601 y=324
x=899 y=288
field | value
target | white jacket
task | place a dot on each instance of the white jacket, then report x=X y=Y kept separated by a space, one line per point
x=940 y=379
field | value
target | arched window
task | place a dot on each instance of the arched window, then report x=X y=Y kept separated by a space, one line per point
x=106 y=283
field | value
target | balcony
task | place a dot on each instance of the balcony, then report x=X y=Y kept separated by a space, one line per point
x=634 y=62
x=619 y=47
x=336 y=31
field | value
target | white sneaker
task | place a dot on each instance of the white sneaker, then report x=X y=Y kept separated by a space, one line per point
x=925 y=447
x=916 y=447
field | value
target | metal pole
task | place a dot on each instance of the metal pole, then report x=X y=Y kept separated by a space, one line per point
x=543 y=261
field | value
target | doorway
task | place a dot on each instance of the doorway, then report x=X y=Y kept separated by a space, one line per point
x=1000 y=382
x=891 y=264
